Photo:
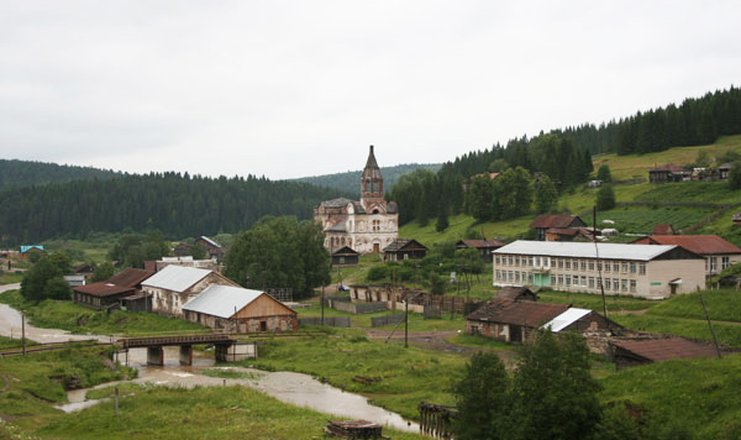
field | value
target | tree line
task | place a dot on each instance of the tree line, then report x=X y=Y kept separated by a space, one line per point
x=19 y=173
x=177 y=204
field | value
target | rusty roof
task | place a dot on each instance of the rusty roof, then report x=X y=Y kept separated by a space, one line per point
x=525 y=313
x=103 y=289
x=662 y=349
x=699 y=244
x=546 y=221
x=482 y=244
x=514 y=293
x=129 y=277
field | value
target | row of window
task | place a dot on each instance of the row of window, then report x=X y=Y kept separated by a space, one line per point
x=575 y=264
x=611 y=284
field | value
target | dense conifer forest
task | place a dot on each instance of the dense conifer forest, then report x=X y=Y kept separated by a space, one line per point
x=179 y=205
x=350 y=180
x=19 y=173
x=564 y=155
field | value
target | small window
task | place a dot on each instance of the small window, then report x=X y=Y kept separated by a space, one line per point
x=263 y=326
x=591 y=282
x=591 y=264
x=633 y=267
x=583 y=265
x=608 y=284
x=725 y=262
x=642 y=269
x=568 y=264
x=616 y=284
x=633 y=286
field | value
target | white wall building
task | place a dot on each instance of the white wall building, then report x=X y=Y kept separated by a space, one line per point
x=646 y=271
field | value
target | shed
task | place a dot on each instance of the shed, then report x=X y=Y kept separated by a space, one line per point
x=485 y=247
x=404 y=249
x=345 y=256
x=213 y=249
x=630 y=352
x=517 y=293
x=174 y=285
x=105 y=294
x=511 y=320
x=239 y=310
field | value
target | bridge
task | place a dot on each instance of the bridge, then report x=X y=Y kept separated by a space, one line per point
x=155 y=346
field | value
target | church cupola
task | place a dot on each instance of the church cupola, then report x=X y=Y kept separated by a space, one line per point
x=371 y=182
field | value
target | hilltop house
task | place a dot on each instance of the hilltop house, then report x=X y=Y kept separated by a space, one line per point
x=238 y=310
x=213 y=249
x=719 y=254
x=641 y=270
x=546 y=222
x=365 y=226
x=173 y=286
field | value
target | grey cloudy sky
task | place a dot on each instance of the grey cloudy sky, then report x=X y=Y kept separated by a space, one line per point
x=295 y=88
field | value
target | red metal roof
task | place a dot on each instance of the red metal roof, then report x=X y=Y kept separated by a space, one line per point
x=525 y=313
x=699 y=244
x=662 y=349
x=556 y=221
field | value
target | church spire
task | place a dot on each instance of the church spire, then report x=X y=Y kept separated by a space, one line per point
x=371 y=182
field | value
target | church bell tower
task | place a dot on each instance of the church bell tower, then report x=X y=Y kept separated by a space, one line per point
x=371 y=182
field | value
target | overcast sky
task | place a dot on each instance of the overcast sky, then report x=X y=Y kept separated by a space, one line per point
x=297 y=88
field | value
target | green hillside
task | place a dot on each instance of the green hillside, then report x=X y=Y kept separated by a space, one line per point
x=704 y=207
x=19 y=173
x=350 y=180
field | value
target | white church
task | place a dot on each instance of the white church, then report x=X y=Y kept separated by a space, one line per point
x=368 y=225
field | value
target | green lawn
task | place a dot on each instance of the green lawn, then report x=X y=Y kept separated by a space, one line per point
x=34 y=382
x=67 y=315
x=150 y=412
x=729 y=334
x=699 y=398
x=722 y=305
x=406 y=376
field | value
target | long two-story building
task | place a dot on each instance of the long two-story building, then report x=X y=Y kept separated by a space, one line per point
x=646 y=271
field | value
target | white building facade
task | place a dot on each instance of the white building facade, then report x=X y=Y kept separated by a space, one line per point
x=645 y=271
x=367 y=225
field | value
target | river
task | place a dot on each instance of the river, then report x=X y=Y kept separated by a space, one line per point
x=294 y=388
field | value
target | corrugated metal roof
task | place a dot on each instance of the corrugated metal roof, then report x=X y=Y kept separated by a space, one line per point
x=546 y=221
x=566 y=318
x=176 y=278
x=661 y=349
x=526 y=313
x=699 y=244
x=221 y=301
x=607 y=251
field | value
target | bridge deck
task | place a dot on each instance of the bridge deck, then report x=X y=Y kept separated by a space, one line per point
x=154 y=341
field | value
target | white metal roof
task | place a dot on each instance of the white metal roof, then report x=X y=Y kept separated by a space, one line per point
x=566 y=318
x=209 y=241
x=176 y=278
x=221 y=301
x=607 y=251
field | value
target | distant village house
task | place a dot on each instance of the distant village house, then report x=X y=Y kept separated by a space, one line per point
x=404 y=249
x=719 y=254
x=545 y=222
x=173 y=286
x=109 y=293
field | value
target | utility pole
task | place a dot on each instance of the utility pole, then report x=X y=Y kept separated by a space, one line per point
x=599 y=263
x=23 y=332
x=712 y=331
x=322 y=305
x=406 y=321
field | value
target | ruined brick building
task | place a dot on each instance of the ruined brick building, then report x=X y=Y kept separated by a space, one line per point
x=367 y=225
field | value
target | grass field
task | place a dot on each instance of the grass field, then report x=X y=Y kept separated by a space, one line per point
x=637 y=166
x=405 y=376
x=696 y=398
x=151 y=412
x=67 y=315
x=642 y=220
x=33 y=383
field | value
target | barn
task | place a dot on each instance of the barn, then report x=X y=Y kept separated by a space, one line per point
x=239 y=310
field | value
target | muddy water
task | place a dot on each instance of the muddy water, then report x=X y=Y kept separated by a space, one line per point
x=294 y=388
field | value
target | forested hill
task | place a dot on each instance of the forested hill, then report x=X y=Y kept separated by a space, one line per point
x=178 y=205
x=350 y=180
x=19 y=173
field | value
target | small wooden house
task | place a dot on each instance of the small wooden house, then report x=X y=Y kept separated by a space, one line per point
x=543 y=223
x=108 y=293
x=404 y=249
x=484 y=247
x=239 y=310
x=213 y=249
x=345 y=256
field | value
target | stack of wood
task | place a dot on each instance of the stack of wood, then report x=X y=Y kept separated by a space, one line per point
x=354 y=429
